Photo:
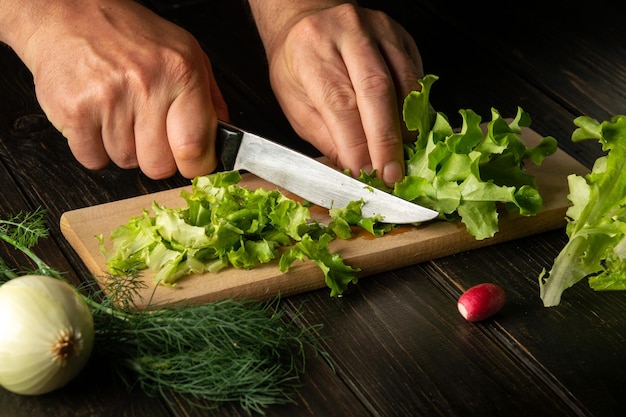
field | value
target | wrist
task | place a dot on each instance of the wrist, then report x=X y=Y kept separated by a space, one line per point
x=32 y=28
x=274 y=18
x=20 y=19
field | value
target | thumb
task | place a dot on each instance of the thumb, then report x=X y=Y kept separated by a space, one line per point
x=191 y=126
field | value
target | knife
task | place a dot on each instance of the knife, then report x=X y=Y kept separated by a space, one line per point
x=308 y=178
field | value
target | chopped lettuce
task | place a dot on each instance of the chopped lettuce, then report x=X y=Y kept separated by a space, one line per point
x=337 y=274
x=596 y=228
x=469 y=173
x=224 y=224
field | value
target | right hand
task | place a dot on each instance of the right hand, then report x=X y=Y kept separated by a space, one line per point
x=124 y=85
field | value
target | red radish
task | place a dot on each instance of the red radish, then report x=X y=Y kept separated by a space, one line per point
x=481 y=301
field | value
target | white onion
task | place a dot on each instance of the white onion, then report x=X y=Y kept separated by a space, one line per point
x=46 y=334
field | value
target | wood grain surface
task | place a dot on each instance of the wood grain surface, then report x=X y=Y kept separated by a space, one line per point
x=406 y=245
x=396 y=344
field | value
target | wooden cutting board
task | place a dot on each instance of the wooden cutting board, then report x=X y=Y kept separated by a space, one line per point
x=405 y=246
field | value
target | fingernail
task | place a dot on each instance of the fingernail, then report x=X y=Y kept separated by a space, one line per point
x=366 y=169
x=392 y=173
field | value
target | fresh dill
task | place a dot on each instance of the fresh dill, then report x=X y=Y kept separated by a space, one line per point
x=22 y=231
x=209 y=354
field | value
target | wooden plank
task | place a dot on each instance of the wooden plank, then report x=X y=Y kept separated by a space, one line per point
x=404 y=246
x=408 y=352
x=575 y=347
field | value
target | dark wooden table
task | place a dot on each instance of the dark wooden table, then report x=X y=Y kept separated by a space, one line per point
x=397 y=342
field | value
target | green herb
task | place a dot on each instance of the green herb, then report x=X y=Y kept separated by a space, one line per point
x=467 y=174
x=23 y=231
x=212 y=353
x=596 y=228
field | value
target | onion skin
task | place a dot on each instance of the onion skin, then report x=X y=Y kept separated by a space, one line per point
x=481 y=301
x=46 y=334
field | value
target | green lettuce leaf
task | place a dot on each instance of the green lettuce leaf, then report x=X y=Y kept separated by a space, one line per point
x=226 y=225
x=337 y=274
x=464 y=174
x=596 y=226
x=342 y=220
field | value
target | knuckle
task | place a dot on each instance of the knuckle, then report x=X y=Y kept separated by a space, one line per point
x=178 y=66
x=94 y=164
x=125 y=159
x=137 y=79
x=66 y=112
x=376 y=84
x=338 y=97
x=190 y=151
x=85 y=155
x=180 y=62
x=183 y=61
x=349 y=13
x=159 y=171
x=388 y=140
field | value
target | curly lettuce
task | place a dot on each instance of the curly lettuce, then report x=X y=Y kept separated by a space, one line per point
x=596 y=227
x=227 y=225
x=467 y=174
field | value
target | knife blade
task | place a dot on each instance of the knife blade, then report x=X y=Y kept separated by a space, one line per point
x=308 y=178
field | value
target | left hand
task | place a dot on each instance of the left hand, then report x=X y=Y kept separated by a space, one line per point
x=340 y=74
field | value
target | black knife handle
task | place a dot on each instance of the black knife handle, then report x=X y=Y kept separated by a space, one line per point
x=227 y=142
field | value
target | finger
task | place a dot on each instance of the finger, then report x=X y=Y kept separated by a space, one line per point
x=306 y=120
x=118 y=136
x=333 y=97
x=399 y=51
x=154 y=155
x=219 y=104
x=87 y=146
x=77 y=123
x=406 y=68
x=191 y=127
x=296 y=99
x=378 y=109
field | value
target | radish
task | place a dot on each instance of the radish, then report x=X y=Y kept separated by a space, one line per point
x=481 y=301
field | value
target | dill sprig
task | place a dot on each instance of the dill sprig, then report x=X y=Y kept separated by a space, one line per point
x=25 y=227
x=224 y=351
x=23 y=231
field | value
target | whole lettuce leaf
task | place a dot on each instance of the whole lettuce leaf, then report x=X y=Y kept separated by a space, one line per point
x=596 y=228
x=469 y=173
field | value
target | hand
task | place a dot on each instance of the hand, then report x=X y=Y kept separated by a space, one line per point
x=340 y=75
x=122 y=84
